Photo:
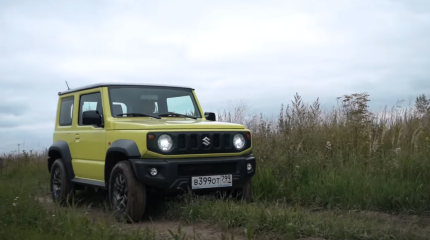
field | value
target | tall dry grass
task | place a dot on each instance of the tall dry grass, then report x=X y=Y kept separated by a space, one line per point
x=347 y=156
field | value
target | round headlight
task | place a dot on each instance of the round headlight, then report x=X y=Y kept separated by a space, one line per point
x=238 y=141
x=165 y=142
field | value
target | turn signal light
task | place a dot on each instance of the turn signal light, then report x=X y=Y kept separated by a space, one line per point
x=151 y=137
x=248 y=135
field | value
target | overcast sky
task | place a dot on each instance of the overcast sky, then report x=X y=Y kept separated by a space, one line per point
x=259 y=51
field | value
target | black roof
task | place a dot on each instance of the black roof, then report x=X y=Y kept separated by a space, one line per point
x=107 y=84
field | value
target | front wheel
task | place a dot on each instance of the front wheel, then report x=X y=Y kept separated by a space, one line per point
x=127 y=195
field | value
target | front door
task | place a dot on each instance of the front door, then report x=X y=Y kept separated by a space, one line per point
x=89 y=148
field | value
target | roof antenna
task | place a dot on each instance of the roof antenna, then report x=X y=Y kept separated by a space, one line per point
x=67 y=85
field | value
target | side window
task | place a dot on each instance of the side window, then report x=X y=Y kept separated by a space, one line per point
x=66 y=111
x=90 y=102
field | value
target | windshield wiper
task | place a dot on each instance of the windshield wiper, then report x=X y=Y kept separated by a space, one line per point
x=139 y=115
x=175 y=114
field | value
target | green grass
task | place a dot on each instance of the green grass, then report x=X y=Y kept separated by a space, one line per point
x=22 y=217
x=347 y=187
x=25 y=218
x=286 y=222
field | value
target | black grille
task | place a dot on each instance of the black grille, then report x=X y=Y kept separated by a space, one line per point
x=188 y=170
x=227 y=141
x=217 y=143
x=193 y=141
x=182 y=144
x=199 y=142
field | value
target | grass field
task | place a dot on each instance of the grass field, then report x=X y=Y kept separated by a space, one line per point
x=346 y=173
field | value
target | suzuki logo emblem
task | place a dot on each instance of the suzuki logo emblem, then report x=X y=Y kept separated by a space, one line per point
x=206 y=141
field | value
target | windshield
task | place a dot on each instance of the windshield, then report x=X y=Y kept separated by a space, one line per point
x=152 y=101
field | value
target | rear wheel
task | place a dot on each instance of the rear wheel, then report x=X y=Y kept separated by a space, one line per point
x=127 y=195
x=61 y=186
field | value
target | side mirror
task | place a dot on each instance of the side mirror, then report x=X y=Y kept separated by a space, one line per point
x=210 y=116
x=91 y=118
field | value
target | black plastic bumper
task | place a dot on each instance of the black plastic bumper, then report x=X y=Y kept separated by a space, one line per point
x=174 y=175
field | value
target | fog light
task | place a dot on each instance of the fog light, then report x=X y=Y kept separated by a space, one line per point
x=249 y=166
x=153 y=172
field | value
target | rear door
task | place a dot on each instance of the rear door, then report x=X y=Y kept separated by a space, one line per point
x=64 y=122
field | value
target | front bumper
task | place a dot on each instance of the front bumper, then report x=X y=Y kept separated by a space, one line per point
x=174 y=175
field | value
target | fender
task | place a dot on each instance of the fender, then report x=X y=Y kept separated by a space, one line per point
x=63 y=148
x=125 y=146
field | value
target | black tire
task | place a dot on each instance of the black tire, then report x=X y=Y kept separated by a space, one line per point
x=61 y=187
x=124 y=186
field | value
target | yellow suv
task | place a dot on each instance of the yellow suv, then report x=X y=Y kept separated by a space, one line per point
x=134 y=139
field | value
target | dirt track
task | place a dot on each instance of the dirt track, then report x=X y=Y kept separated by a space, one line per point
x=91 y=204
x=157 y=223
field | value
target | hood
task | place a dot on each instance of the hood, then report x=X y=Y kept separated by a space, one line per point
x=171 y=123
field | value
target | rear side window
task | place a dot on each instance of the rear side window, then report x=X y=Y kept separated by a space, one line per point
x=66 y=111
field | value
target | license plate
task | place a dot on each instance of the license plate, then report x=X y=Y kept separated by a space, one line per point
x=211 y=181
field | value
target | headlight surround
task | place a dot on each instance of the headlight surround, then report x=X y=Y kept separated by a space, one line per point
x=165 y=142
x=238 y=141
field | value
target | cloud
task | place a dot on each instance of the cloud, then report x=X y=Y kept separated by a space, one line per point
x=29 y=137
x=13 y=108
x=259 y=51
